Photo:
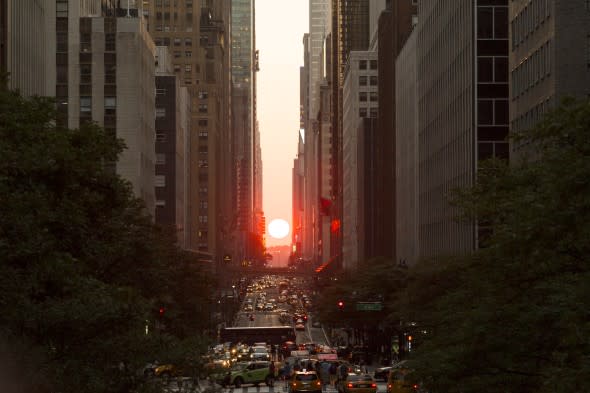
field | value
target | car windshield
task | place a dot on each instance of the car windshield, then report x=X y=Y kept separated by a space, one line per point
x=306 y=377
x=359 y=377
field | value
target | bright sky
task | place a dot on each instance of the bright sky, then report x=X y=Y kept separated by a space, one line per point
x=280 y=25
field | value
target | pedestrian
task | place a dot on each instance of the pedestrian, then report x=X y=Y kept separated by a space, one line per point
x=271 y=373
x=333 y=370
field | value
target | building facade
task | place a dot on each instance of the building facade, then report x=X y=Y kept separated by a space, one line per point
x=462 y=111
x=406 y=154
x=395 y=25
x=172 y=132
x=24 y=51
x=549 y=58
x=360 y=100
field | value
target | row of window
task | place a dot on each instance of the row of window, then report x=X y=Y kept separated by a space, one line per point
x=372 y=112
x=165 y=41
x=533 y=116
x=372 y=79
x=529 y=19
x=167 y=28
x=187 y=54
x=166 y=16
x=86 y=103
x=492 y=22
x=166 y=3
x=532 y=70
x=363 y=64
x=373 y=96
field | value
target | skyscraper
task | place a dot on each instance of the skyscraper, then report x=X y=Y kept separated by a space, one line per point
x=462 y=64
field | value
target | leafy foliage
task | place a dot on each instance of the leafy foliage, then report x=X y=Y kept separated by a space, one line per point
x=513 y=317
x=84 y=268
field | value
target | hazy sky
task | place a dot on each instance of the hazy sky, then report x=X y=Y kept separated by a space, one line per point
x=280 y=25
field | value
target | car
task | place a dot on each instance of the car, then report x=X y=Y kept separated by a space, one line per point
x=259 y=353
x=397 y=381
x=357 y=383
x=254 y=372
x=305 y=381
x=287 y=347
x=382 y=373
x=166 y=371
x=299 y=326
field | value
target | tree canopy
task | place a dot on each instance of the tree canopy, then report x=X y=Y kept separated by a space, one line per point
x=513 y=316
x=84 y=269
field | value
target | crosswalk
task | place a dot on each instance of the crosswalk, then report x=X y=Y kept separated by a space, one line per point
x=180 y=385
x=281 y=387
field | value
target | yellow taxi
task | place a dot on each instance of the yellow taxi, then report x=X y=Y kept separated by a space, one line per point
x=397 y=382
x=305 y=381
x=358 y=383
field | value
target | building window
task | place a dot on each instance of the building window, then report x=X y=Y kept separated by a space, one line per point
x=176 y=67
x=160 y=181
x=203 y=108
x=203 y=94
x=188 y=42
x=160 y=159
x=373 y=64
x=110 y=42
x=61 y=9
x=160 y=203
x=161 y=92
x=188 y=68
x=362 y=96
x=188 y=53
x=203 y=122
x=203 y=134
x=160 y=113
x=374 y=112
x=86 y=104
x=176 y=54
x=373 y=80
x=373 y=96
x=110 y=102
x=362 y=64
x=177 y=42
x=363 y=80
x=160 y=137
x=204 y=163
x=362 y=112
x=485 y=22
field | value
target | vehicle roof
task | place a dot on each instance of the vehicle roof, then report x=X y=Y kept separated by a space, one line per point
x=306 y=372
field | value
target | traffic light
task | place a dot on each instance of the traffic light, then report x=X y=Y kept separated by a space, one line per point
x=161 y=311
x=340 y=305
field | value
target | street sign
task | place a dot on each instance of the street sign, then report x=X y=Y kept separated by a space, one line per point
x=369 y=306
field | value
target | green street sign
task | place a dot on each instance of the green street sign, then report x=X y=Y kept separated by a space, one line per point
x=369 y=306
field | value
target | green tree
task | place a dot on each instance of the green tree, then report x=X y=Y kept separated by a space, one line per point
x=84 y=268
x=513 y=317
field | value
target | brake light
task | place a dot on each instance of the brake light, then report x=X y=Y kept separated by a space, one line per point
x=415 y=386
x=350 y=385
x=389 y=386
x=373 y=385
x=319 y=383
x=294 y=384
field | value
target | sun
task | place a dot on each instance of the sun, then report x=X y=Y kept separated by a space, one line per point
x=278 y=228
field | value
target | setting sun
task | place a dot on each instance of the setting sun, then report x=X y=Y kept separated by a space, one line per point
x=278 y=228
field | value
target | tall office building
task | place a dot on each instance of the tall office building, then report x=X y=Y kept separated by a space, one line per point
x=172 y=142
x=549 y=57
x=243 y=117
x=406 y=153
x=462 y=64
x=350 y=32
x=24 y=51
x=395 y=25
x=195 y=33
x=360 y=98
